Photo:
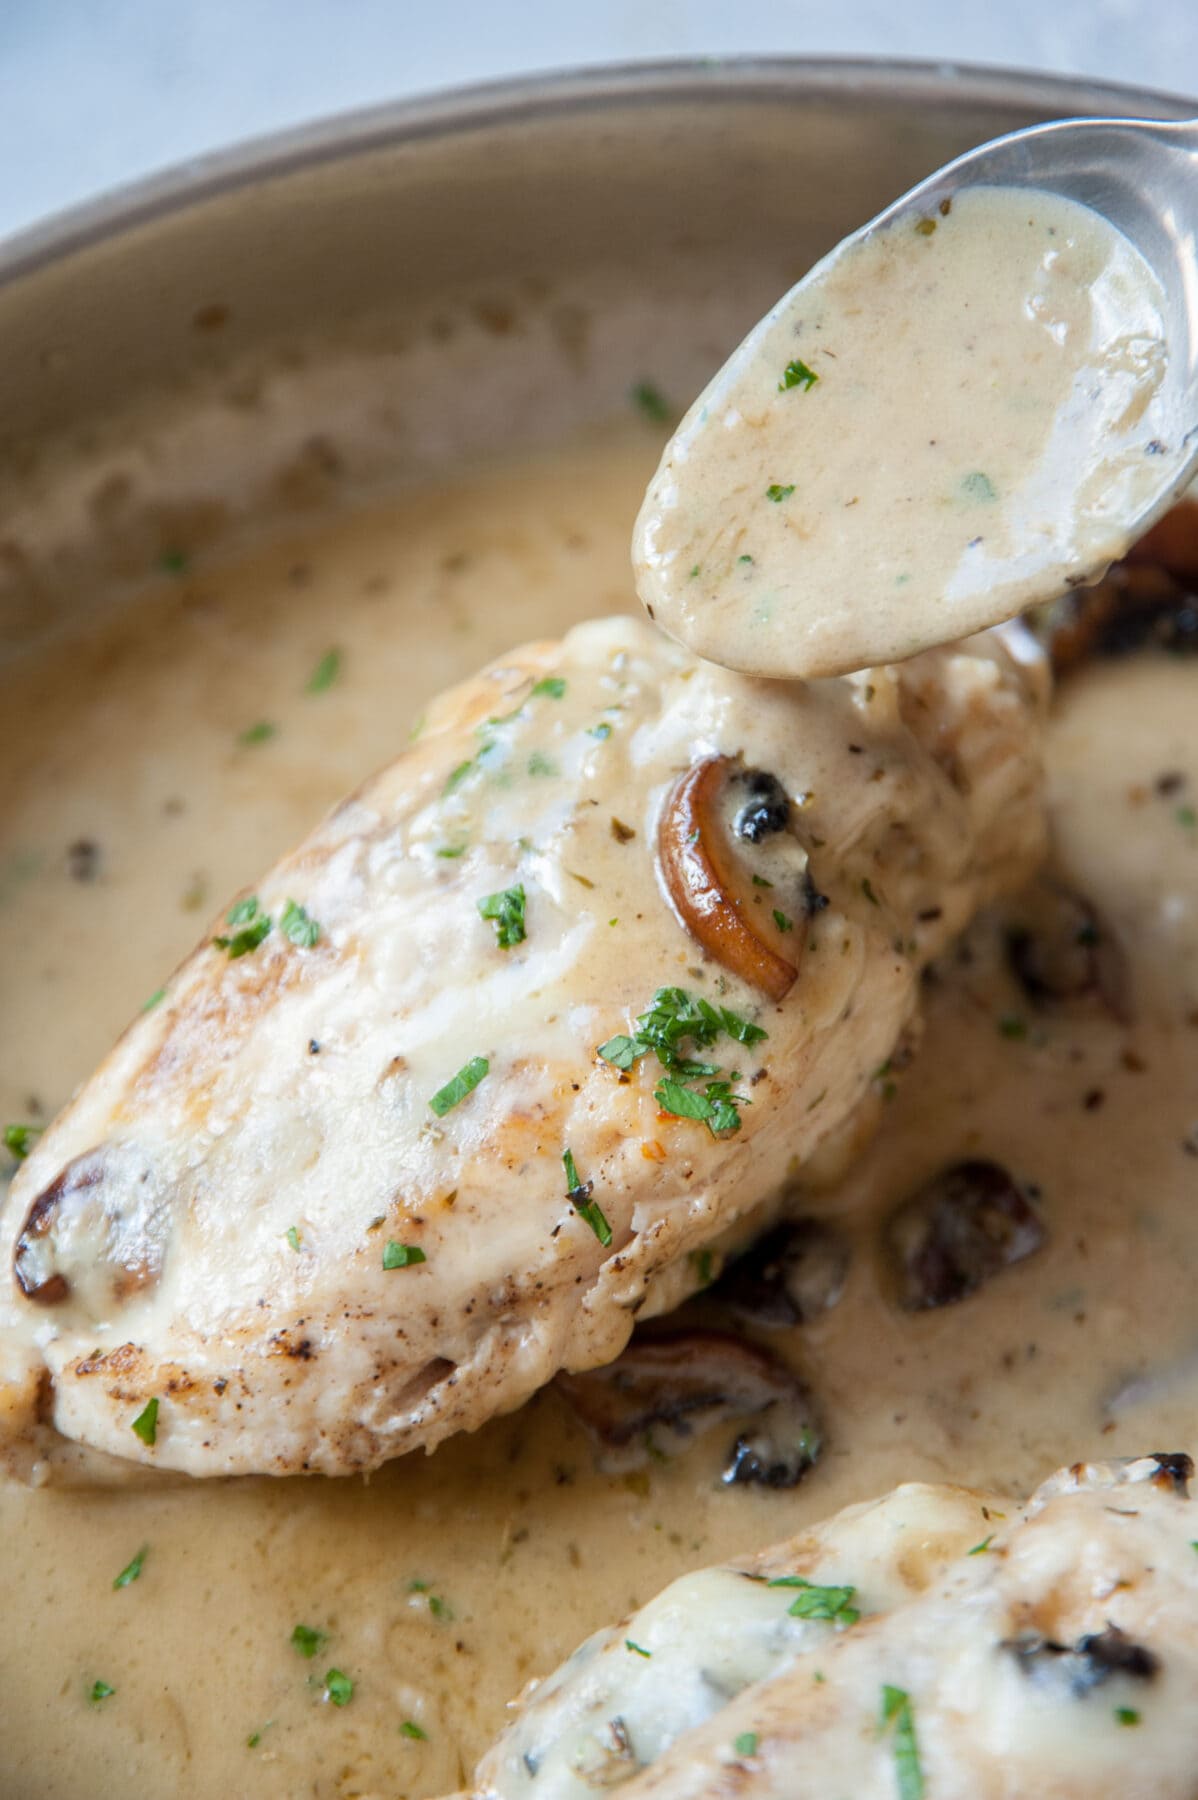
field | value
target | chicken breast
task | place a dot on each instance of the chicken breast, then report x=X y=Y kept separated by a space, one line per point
x=937 y=1642
x=553 y=1001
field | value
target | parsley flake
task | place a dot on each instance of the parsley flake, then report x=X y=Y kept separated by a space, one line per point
x=815 y=1602
x=145 y=1425
x=552 y=686
x=978 y=1549
x=131 y=1570
x=776 y=492
x=540 y=764
x=308 y=1640
x=325 y=673
x=251 y=926
x=1126 y=1715
x=100 y=1690
x=257 y=734
x=450 y=851
x=410 y=1729
x=797 y=374
x=338 y=1688
x=745 y=1744
x=715 y=1107
x=867 y=889
x=1011 y=1026
x=651 y=403
x=602 y=730
x=18 y=1139
x=298 y=925
x=293 y=1237
x=402 y=1256
x=977 y=486
x=896 y=1712
x=782 y=922
x=578 y=1193
x=506 y=911
x=675 y=1017
x=156 y=999
x=637 y=1649
x=463 y=1083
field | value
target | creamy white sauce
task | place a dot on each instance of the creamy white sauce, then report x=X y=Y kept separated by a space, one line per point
x=943 y=422
x=128 y=738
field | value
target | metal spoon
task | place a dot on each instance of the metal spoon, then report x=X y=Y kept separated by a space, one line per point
x=890 y=380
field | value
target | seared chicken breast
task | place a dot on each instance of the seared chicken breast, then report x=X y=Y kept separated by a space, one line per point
x=554 y=1001
x=936 y=1642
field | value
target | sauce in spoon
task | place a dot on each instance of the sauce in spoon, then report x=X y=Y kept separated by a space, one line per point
x=950 y=418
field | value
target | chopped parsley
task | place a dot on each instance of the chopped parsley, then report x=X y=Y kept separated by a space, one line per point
x=552 y=686
x=131 y=1570
x=815 y=1602
x=456 y=776
x=714 y=1107
x=410 y=1729
x=868 y=890
x=760 y=881
x=174 y=561
x=439 y=1608
x=674 y=1018
x=746 y=558
x=797 y=374
x=402 y=1256
x=257 y=734
x=308 y=1640
x=250 y=927
x=1127 y=1715
x=578 y=1193
x=540 y=764
x=703 y=1263
x=18 y=1139
x=298 y=925
x=293 y=1237
x=776 y=492
x=449 y=851
x=156 y=999
x=896 y=1712
x=651 y=403
x=325 y=673
x=506 y=911
x=745 y=1744
x=145 y=1425
x=463 y=1083
x=1185 y=815
x=637 y=1649
x=338 y=1688
x=977 y=486
x=602 y=730
x=978 y=1549
x=1011 y=1026
x=100 y=1690
x=782 y=922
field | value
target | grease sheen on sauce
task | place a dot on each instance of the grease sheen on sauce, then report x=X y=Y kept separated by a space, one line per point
x=945 y=421
x=127 y=737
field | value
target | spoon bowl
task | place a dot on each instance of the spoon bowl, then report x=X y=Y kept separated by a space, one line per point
x=977 y=400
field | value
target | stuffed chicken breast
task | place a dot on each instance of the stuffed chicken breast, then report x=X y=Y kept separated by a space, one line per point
x=556 y=999
x=938 y=1641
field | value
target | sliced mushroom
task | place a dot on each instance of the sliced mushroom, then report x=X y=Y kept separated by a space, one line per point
x=1137 y=606
x=1172 y=543
x=664 y=1391
x=1081 y=1667
x=95 y=1235
x=711 y=894
x=1059 y=950
x=969 y=1223
x=789 y=1276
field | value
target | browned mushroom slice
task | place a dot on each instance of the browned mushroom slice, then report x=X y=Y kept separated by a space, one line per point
x=664 y=1391
x=1059 y=950
x=1172 y=543
x=969 y=1223
x=1136 y=606
x=712 y=891
x=791 y=1274
x=94 y=1235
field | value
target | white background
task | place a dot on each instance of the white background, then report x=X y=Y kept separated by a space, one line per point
x=98 y=92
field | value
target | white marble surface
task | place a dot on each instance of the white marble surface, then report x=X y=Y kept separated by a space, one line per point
x=98 y=92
